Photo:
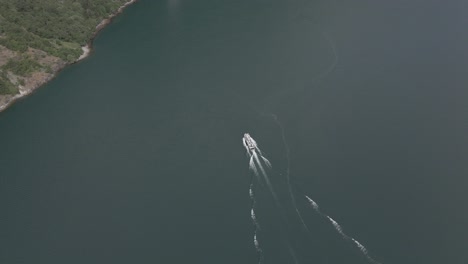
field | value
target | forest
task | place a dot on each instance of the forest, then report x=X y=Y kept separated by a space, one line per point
x=58 y=27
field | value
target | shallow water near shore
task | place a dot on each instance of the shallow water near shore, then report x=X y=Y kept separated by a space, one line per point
x=134 y=155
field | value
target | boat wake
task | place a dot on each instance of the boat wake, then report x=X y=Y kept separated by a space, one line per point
x=255 y=223
x=256 y=166
x=288 y=176
x=339 y=229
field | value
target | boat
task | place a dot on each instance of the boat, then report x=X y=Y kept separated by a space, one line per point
x=249 y=143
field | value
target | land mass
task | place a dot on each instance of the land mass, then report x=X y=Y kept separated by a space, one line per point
x=39 y=38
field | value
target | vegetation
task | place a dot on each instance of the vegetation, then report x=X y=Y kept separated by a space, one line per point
x=23 y=67
x=58 y=27
x=6 y=87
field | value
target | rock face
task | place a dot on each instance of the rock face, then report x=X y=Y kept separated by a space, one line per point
x=24 y=70
x=25 y=84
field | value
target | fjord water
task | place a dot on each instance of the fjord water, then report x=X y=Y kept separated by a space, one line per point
x=135 y=156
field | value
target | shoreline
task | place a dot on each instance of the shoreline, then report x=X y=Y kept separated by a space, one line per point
x=88 y=48
x=8 y=100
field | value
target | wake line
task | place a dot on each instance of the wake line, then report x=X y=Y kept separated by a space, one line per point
x=288 y=177
x=340 y=231
x=314 y=204
x=293 y=254
x=337 y=227
x=251 y=146
x=267 y=179
x=255 y=164
x=332 y=66
x=267 y=162
x=254 y=168
x=258 y=248
x=256 y=225
x=331 y=43
x=259 y=164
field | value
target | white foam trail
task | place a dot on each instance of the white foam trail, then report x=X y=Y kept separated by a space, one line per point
x=364 y=251
x=256 y=225
x=256 y=242
x=267 y=180
x=258 y=248
x=258 y=150
x=259 y=164
x=314 y=204
x=267 y=162
x=337 y=227
x=360 y=246
x=252 y=214
x=252 y=166
x=254 y=218
x=246 y=147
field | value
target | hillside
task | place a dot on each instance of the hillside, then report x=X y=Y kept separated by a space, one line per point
x=38 y=38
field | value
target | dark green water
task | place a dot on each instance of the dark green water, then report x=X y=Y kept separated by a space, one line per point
x=135 y=154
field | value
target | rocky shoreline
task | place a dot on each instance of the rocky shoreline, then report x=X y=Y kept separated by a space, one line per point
x=88 y=48
x=37 y=79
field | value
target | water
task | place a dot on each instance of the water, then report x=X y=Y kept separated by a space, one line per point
x=135 y=154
